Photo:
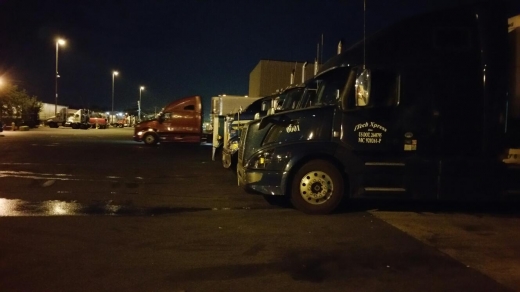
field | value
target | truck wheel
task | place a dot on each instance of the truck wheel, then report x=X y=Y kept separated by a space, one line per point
x=150 y=139
x=317 y=188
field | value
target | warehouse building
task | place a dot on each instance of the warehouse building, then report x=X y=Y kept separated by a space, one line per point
x=270 y=75
x=514 y=39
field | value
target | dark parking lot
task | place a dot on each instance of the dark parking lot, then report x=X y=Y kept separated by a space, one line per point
x=91 y=210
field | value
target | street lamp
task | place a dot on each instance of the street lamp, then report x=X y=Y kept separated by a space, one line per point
x=58 y=43
x=140 y=90
x=114 y=74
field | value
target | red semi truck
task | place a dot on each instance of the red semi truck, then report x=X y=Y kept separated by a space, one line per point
x=98 y=120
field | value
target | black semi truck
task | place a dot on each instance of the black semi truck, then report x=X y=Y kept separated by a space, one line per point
x=419 y=111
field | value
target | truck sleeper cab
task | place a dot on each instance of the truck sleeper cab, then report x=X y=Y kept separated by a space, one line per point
x=179 y=121
x=423 y=121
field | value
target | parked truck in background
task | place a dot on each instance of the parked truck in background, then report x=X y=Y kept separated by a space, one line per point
x=179 y=121
x=80 y=119
x=419 y=111
x=59 y=120
x=98 y=120
x=233 y=123
x=221 y=107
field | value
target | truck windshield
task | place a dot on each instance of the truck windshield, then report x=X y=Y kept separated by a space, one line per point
x=325 y=89
x=254 y=107
x=291 y=98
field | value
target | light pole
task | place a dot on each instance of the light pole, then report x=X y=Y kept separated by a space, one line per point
x=114 y=74
x=58 y=43
x=140 y=90
x=111 y=116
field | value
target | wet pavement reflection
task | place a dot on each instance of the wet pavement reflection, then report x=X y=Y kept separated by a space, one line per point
x=18 y=208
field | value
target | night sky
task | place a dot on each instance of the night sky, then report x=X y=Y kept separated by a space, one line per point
x=174 y=48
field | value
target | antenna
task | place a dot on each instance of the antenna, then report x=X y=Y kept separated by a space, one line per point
x=321 y=48
x=303 y=72
x=364 y=32
x=318 y=52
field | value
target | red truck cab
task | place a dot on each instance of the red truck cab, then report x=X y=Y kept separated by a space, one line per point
x=97 y=120
x=179 y=121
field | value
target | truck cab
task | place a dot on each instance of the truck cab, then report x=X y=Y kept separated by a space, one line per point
x=281 y=101
x=222 y=107
x=417 y=111
x=179 y=121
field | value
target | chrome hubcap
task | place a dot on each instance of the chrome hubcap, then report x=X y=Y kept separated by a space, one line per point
x=316 y=187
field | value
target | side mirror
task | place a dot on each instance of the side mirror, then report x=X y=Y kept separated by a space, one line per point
x=160 y=118
x=363 y=88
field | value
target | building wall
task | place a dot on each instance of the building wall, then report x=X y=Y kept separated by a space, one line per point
x=514 y=22
x=515 y=53
x=514 y=34
x=270 y=75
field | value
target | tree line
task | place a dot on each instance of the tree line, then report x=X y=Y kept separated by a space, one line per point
x=17 y=106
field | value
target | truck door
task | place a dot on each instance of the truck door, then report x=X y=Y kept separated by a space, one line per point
x=383 y=132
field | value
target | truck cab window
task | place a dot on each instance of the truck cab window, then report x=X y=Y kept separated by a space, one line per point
x=385 y=88
x=292 y=99
x=309 y=96
x=189 y=107
x=326 y=89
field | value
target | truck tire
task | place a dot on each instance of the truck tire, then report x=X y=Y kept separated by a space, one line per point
x=150 y=139
x=317 y=188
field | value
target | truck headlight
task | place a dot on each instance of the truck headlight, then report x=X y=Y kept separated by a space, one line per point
x=260 y=160
x=233 y=145
x=269 y=159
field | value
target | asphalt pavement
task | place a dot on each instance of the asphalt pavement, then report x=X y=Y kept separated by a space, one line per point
x=92 y=210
